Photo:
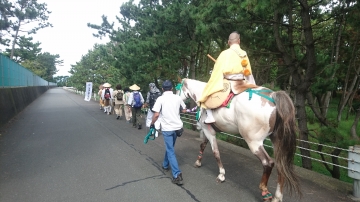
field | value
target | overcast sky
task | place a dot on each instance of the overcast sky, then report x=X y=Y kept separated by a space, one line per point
x=70 y=37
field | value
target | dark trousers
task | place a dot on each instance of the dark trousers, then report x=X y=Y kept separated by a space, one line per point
x=136 y=116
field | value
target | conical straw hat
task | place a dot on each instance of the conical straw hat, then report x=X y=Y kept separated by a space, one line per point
x=134 y=87
x=107 y=85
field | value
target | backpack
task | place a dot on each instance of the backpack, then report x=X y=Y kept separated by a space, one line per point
x=152 y=99
x=137 y=100
x=107 y=94
x=119 y=95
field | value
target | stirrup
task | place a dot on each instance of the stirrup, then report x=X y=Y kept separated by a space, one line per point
x=208 y=121
x=209 y=117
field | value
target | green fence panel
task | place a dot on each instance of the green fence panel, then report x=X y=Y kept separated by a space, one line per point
x=14 y=75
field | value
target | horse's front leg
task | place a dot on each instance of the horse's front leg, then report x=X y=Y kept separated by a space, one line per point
x=216 y=152
x=268 y=165
x=202 y=148
x=210 y=134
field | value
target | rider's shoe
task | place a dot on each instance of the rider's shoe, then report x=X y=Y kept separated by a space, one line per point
x=209 y=117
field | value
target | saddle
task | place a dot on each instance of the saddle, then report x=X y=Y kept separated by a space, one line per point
x=231 y=88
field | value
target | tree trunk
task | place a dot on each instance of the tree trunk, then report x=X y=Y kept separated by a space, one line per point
x=317 y=113
x=351 y=99
x=14 y=40
x=335 y=160
x=348 y=88
x=303 y=82
x=301 y=85
x=192 y=65
x=304 y=133
x=326 y=99
x=335 y=171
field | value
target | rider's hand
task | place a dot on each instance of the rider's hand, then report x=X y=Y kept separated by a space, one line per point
x=152 y=126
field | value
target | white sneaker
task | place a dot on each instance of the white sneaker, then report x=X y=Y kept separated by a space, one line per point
x=209 y=117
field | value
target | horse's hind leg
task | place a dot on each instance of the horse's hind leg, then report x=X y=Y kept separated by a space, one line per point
x=202 y=148
x=268 y=165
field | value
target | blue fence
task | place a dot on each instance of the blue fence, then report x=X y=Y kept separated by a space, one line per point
x=14 y=75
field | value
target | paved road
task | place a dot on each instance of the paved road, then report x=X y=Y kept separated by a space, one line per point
x=62 y=148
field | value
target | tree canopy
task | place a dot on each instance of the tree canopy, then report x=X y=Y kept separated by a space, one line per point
x=19 y=19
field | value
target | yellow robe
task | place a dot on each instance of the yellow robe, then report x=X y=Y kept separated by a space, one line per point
x=228 y=62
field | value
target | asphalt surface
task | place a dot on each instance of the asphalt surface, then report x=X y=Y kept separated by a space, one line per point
x=62 y=148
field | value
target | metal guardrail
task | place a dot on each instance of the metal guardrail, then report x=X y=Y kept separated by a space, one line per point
x=13 y=74
x=314 y=151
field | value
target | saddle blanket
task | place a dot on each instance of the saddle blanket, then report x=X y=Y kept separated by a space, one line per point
x=222 y=98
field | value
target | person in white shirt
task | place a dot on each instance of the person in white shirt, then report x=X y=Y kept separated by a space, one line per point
x=169 y=105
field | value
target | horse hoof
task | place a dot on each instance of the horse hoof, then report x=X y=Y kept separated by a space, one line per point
x=218 y=180
x=197 y=164
x=221 y=177
x=275 y=199
x=267 y=196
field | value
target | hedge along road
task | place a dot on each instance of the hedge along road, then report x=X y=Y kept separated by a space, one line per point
x=62 y=148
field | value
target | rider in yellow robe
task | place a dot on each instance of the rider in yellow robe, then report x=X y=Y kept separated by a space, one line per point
x=232 y=63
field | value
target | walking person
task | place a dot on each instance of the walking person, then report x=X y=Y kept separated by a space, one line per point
x=127 y=107
x=101 y=101
x=151 y=98
x=168 y=106
x=118 y=96
x=136 y=101
x=107 y=97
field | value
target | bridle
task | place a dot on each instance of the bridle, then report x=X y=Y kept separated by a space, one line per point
x=179 y=88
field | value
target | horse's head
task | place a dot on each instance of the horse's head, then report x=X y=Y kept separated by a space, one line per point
x=181 y=90
x=189 y=88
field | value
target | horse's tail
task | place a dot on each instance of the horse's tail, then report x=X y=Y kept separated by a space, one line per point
x=284 y=142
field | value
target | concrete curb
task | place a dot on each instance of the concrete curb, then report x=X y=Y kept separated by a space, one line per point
x=314 y=177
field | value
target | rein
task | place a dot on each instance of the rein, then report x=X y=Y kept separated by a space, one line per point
x=179 y=87
x=150 y=135
x=259 y=93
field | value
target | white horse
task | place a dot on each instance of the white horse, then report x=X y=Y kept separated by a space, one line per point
x=255 y=117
